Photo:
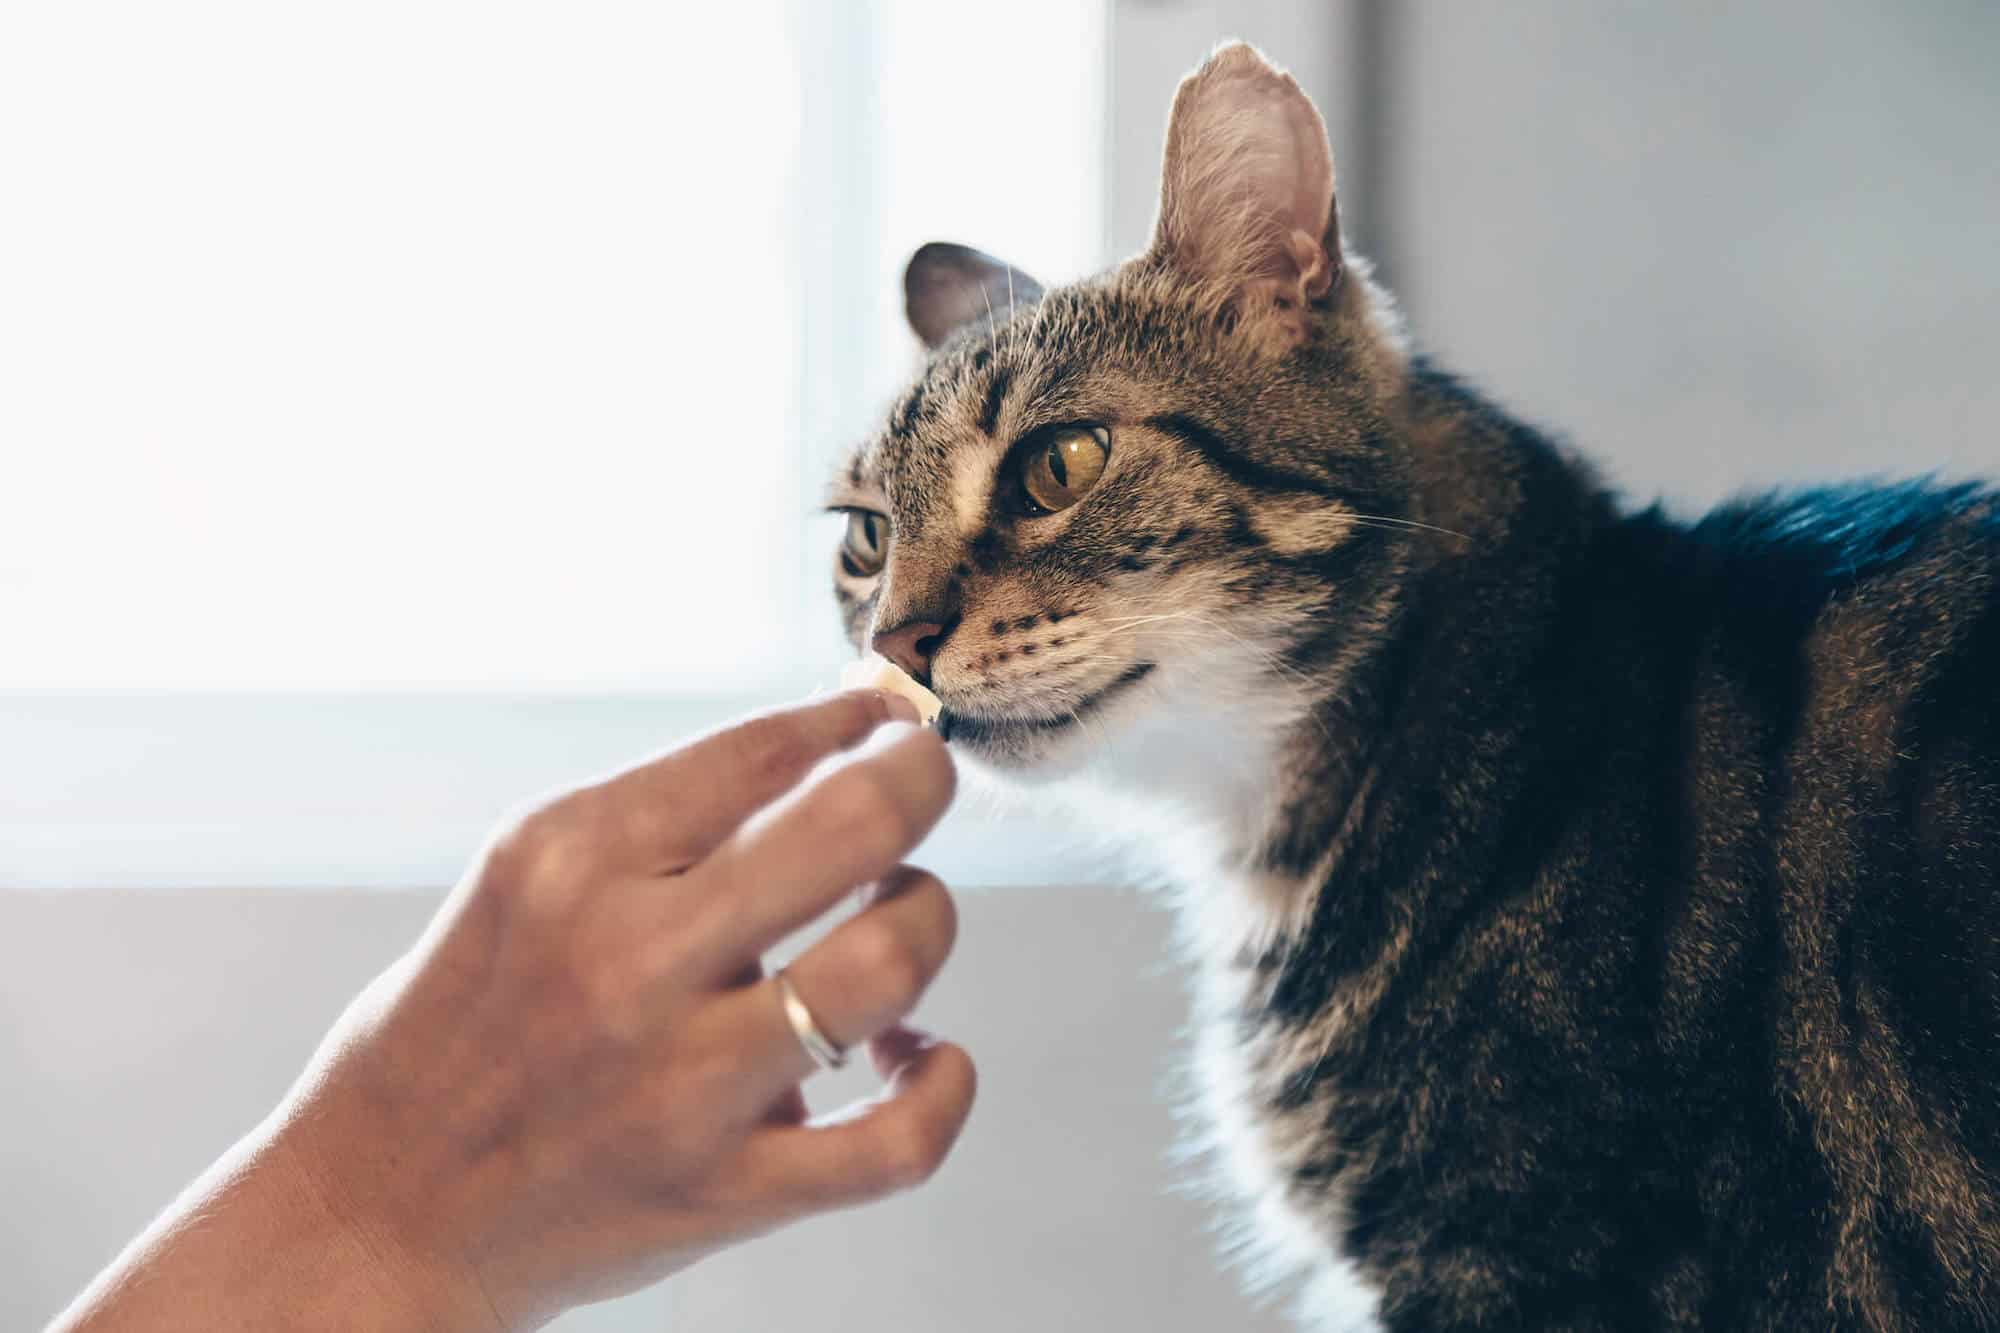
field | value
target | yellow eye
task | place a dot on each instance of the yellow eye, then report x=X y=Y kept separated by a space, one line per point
x=866 y=545
x=1059 y=471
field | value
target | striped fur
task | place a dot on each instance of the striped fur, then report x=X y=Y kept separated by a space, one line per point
x=1594 y=919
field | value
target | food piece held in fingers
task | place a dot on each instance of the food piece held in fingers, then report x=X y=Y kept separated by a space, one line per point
x=879 y=673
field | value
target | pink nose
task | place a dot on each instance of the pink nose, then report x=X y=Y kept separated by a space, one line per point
x=910 y=646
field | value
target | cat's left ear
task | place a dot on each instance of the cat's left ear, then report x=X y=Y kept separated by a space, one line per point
x=1246 y=193
x=948 y=286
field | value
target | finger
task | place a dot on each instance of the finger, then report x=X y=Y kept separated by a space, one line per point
x=848 y=827
x=894 y=1141
x=895 y=1046
x=788 y=1107
x=666 y=814
x=868 y=972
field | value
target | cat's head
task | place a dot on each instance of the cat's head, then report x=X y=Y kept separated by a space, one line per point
x=1149 y=496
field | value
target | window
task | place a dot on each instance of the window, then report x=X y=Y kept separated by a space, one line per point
x=410 y=407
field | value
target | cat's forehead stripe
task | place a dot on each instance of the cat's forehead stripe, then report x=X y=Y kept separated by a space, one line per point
x=940 y=444
x=971 y=487
x=996 y=397
x=912 y=411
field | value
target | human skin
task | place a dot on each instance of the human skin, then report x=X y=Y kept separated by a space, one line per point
x=579 y=1080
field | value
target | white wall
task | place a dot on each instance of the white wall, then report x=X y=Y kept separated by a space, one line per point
x=141 y=1032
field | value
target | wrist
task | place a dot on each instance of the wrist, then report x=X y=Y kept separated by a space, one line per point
x=259 y=1242
x=376 y=1259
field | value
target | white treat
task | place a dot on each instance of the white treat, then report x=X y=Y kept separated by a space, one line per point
x=876 y=672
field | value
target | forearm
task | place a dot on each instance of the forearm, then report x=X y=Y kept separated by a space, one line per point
x=256 y=1243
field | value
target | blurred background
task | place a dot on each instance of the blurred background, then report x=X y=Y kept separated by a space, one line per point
x=407 y=408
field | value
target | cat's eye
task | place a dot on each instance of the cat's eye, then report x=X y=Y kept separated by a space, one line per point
x=1061 y=467
x=865 y=547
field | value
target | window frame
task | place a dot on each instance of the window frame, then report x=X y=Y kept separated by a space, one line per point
x=385 y=788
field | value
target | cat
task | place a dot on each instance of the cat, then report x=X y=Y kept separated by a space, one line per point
x=1595 y=917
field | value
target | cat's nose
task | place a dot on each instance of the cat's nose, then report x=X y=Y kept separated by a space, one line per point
x=910 y=646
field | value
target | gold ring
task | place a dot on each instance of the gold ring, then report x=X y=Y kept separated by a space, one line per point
x=823 y=1052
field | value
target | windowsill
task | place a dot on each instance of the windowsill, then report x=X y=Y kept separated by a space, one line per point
x=357 y=791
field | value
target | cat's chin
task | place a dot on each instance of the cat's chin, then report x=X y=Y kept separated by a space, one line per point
x=1038 y=762
x=1037 y=751
x=1024 y=757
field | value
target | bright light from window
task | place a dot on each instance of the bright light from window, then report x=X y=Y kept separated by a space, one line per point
x=991 y=135
x=455 y=345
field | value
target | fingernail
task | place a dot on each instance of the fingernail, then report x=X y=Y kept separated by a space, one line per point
x=897 y=1047
x=901 y=709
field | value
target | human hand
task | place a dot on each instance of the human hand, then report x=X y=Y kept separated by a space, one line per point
x=579 y=1081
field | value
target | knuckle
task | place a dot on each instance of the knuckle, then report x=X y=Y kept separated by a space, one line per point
x=939 y=907
x=533 y=859
x=770 y=748
x=922 y=899
x=888 y=960
x=855 y=712
x=911 y=882
x=520 y=839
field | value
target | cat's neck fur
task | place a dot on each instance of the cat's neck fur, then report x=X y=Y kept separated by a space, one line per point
x=1196 y=793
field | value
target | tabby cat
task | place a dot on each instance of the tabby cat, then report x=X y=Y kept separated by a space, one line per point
x=1595 y=917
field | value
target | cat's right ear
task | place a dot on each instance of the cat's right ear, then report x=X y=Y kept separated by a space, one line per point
x=1246 y=195
x=948 y=286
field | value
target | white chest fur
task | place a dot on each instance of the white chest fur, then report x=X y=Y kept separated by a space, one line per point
x=1190 y=793
x=1288 y=1236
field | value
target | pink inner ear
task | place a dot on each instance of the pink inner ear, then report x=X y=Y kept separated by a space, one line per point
x=1248 y=186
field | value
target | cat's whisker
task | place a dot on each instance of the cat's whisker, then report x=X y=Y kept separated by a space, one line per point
x=1112 y=621
x=1193 y=632
x=992 y=331
x=1385 y=521
x=1269 y=658
x=1010 y=287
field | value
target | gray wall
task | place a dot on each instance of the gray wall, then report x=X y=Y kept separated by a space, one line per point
x=141 y=1032
x=1716 y=246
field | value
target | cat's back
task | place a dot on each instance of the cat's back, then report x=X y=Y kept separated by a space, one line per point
x=1869 y=618
x=1866 y=571
x=1853 y=619
x=1855 y=633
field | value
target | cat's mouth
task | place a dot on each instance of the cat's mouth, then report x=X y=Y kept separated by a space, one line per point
x=955 y=725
